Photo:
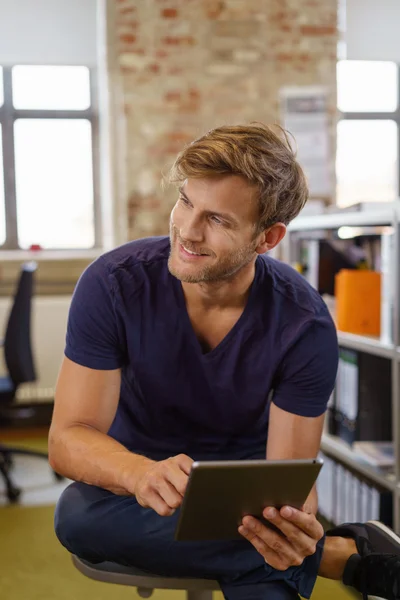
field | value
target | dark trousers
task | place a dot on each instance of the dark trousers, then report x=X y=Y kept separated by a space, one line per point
x=97 y=525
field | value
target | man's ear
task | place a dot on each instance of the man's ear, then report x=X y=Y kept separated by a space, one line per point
x=271 y=237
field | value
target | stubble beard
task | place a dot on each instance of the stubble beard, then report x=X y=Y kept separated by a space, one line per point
x=222 y=270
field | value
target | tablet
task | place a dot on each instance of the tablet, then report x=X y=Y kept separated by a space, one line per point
x=220 y=493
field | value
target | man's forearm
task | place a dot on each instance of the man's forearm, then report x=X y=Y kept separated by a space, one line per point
x=85 y=454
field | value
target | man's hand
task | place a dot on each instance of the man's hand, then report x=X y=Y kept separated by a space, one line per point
x=161 y=485
x=301 y=532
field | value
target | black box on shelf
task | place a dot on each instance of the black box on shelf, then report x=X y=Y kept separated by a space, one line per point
x=361 y=409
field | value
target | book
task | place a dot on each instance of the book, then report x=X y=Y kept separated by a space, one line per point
x=361 y=410
x=377 y=454
x=346 y=496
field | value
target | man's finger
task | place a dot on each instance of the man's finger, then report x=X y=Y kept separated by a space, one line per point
x=154 y=501
x=307 y=522
x=275 y=560
x=168 y=493
x=272 y=539
x=184 y=462
x=296 y=536
x=176 y=477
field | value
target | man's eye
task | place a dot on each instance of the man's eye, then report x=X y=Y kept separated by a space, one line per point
x=184 y=200
x=216 y=220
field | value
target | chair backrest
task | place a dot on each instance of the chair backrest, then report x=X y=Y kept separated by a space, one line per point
x=17 y=341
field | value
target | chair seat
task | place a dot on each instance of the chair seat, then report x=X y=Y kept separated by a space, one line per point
x=114 y=573
x=6 y=385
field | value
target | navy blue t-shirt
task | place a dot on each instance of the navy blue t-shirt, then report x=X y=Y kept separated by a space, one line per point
x=129 y=312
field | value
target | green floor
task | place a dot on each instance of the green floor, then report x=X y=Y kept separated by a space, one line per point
x=34 y=566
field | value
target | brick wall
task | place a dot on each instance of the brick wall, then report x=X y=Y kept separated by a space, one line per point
x=186 y=66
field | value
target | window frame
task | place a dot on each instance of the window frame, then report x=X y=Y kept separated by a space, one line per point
x=379 y=116
x=8 y=115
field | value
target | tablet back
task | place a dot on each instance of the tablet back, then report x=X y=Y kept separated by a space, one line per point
x=220 y=493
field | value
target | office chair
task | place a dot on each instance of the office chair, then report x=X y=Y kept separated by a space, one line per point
x=145 y=583
x=20 y=369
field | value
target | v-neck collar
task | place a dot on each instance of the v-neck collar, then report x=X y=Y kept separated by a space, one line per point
x=231 y=333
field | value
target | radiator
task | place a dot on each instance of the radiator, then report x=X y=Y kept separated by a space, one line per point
x=49 y=324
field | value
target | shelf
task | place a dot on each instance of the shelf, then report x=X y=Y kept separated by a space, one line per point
x=384 y=216
x=334 y=447
x=367 y=344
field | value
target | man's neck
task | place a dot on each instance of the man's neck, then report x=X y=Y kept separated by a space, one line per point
x=219 y=295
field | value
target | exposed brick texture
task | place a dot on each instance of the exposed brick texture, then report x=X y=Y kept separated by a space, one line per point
x=186 y=66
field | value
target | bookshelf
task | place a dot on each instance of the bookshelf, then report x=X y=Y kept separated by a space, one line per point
x=367 y=344
x=334 y=220
x=333 y=447
x=343 y=452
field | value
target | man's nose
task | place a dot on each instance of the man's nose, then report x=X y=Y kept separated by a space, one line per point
x=192 y=229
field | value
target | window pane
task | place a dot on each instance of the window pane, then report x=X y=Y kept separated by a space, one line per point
x=366 y=161
x=51 y=88
x=367 y=86
x=1 y=87
x=54 y=182
x=2 y=207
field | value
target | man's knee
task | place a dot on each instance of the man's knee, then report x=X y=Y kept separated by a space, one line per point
x=71 y=521
x=66 y=517
x=97 y=525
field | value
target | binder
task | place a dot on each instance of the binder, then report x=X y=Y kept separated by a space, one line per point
x=348 y=491
x=375 y=392
x=341 y=498
x=358 y=301
x=355 y=499
x=346 y=497
x=375 y=505
x=325 y=488
x=347 y=401
x=365 y=502
x=330 y=419
x=361 y=408
x=330 y=488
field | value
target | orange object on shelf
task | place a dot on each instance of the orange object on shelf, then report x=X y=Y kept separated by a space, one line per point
x=358 y=301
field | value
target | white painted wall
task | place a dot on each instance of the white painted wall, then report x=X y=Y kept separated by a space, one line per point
x=373 y=30
x=49 y=326
x=48 y=32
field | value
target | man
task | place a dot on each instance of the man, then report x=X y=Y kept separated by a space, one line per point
x=173 y=347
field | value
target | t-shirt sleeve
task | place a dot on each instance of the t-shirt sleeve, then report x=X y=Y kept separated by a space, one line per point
x=307 y=373
x=93 y=332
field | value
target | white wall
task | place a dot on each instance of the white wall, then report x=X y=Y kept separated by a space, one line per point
x=373 y=30
x=49 y=326
x=48 y=32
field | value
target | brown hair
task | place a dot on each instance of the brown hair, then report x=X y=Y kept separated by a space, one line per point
x=262 y=154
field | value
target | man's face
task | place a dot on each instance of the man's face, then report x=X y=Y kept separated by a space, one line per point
x=212 y=229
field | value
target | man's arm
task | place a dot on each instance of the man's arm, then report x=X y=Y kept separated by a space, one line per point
x=86 y=401
x=79 y=447
x=87 y=397
x=291 y=436
x=304 y=382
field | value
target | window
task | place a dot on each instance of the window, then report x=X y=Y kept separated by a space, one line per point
x=367 y=159
x=48 y=170
x=51 y=88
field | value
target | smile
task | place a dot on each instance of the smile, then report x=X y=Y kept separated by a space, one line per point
x=188 y=253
